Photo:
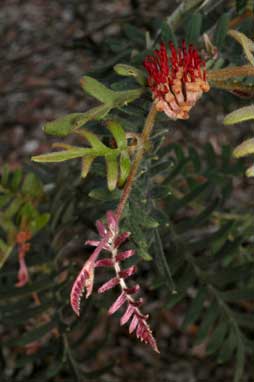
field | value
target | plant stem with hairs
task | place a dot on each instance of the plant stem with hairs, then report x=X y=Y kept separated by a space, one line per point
x=149 y=123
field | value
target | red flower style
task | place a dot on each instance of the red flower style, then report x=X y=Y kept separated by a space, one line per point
x=111 y=240
x=178 y=81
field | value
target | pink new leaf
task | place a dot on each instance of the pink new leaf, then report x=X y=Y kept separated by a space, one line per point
x=118 y=303
x=23 y=275
x=112 y=222
x=104 y=263
x=132 y=290
x=128 y=272
x=85 y=279
x=101 y=228
x=125 y=255
x=133 y=324
x=121 y=239
x=144 y=333
x=127 y=314
x=110 y=241
x=109 y=285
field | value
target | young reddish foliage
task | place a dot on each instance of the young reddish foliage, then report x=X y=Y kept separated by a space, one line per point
x=23 y=247
x=110 y=241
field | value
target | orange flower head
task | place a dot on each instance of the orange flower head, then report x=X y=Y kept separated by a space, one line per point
x=178 y=81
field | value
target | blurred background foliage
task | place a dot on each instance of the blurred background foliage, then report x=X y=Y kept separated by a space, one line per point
x=190 y=213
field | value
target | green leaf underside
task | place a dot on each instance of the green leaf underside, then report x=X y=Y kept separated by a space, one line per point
x=245 y=148
x=240 y=115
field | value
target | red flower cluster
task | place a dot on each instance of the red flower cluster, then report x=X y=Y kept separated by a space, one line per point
x=178 y=81
x=111 y=240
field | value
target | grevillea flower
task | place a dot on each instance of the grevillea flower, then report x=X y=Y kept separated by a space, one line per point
x=23 y=247
x=177 y=81
x=111 y=241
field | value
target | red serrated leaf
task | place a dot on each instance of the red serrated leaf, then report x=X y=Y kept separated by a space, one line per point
x=112 y=222
x=121 y=239
x=85 y=278
x=118 y=303
x=78 y=288
x=132 y=290
x=93 y=243
x=128 y=272
x=96 y=243
x=134 y=323
x=101 y=228
x=109 y=285
x=127 y=314
x=23 y=275
x=125 y=255
x=144 y=333
x=104 y=263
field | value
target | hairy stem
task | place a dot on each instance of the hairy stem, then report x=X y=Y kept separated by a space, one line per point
x=149 y=123
x=230 y=72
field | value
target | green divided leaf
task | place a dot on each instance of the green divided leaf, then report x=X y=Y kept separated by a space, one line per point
x=221 y=30
x=250 y=172
x=5 y=251
x=116 y=172
x=5 y=175
x=210 y=156
x=118 y=133
x=228 y=347
x=112 y=171
x=107 y=96
x=231 y=274
x=195 y=308
x=21 y=316
x=185 y=281
x=245 y=148
x=70 y=123
x=244 y=320
x=240 y=294
x=131 y=71
x=33 y=335
x=193 y=29
x=104 y=195
x=97 y=90
x=240 y=115
x=86 y=165
x=61 y=156
x=13 y=207
x=96 y=113
x=167 y=34
x=194 y=194
x=62 y=126
x=217 y=337
x=32 y=186
x=39 y=222
x=195 y=158
x=125 y=167
x=123 y=97
x=240 y=359
x=208 y=321
x=98 y=147
x=36 y=286
x=134 y=34
x=175 y=299
x=16 y=179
